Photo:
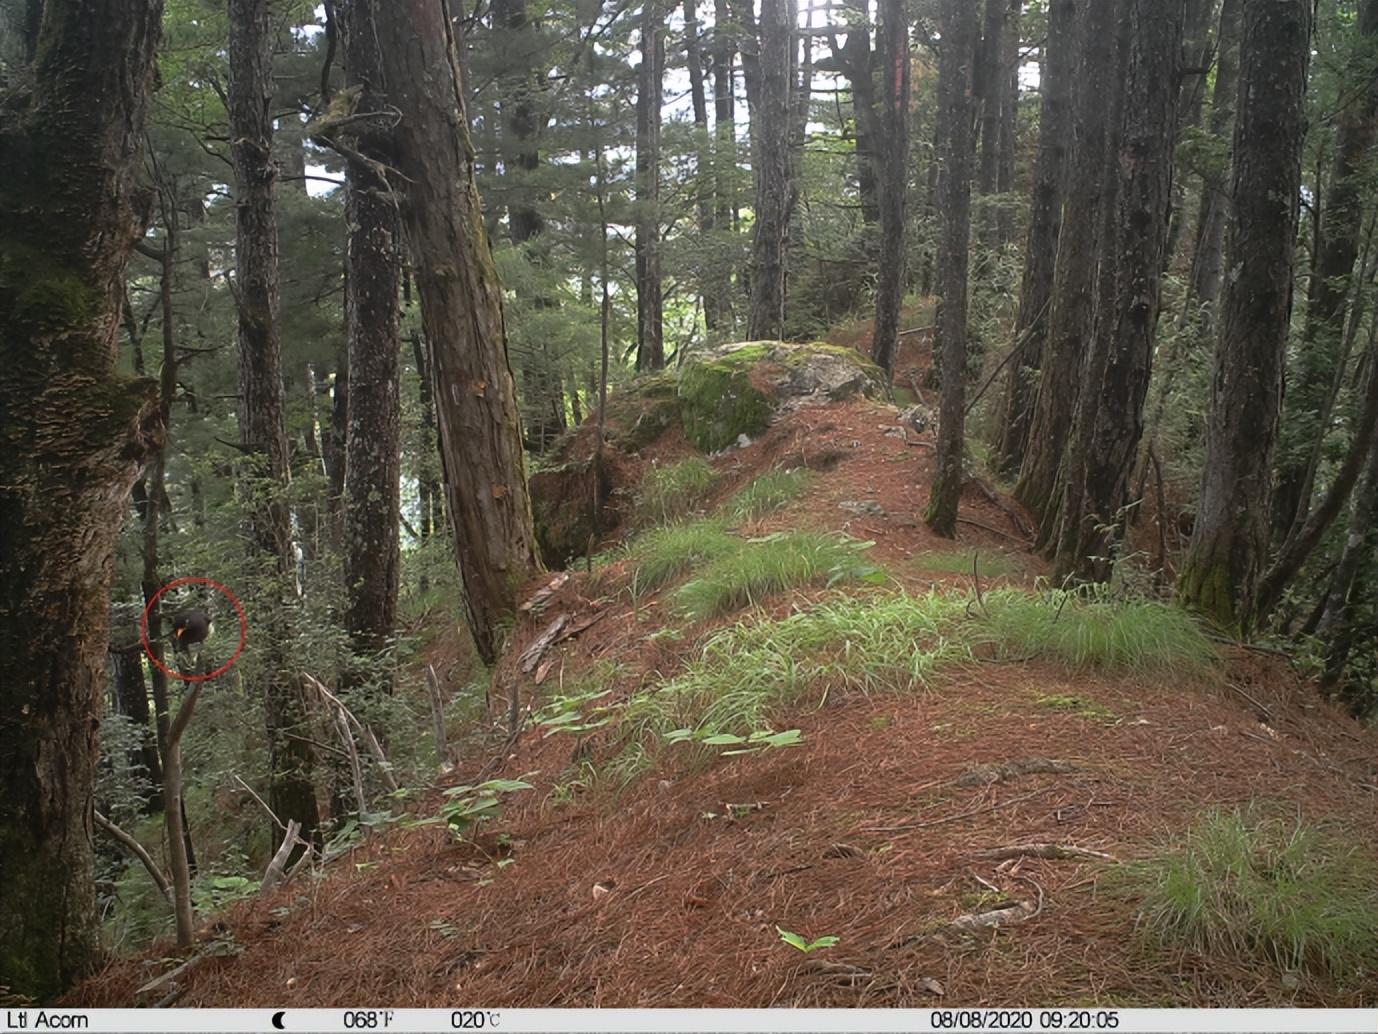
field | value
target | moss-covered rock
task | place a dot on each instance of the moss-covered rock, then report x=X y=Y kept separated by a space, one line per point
x=562 y=510
x=718 y=401
x=734 y=390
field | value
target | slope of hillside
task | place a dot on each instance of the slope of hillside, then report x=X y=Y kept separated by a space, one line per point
x=959 y=809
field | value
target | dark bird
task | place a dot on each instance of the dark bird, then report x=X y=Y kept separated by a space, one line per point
x=191 y=625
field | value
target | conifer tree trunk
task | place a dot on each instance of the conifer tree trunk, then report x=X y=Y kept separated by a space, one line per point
x=1009 y=122
x=1230 y=539
x=709 y=281
x=955 y=69
x=854 y=57
x=772 y=167
x=461 y=308
x=76 y=432
x=373 y=315
x=989 y=87
x=262 y=426
x=1072 y=308
x=724 y=162
x=1045 y=221
x=1208 y=259
x=1155 y=35
x=894 y=48
x=1306 y=415
x=650 y=315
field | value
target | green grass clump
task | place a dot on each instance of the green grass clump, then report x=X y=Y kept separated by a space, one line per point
x=770 y=564
x=672 y=492
x=767 y=493
x=663 y=554
x=1258 y=890
x=989 y=565
x=749 y=673
x=1091 y=630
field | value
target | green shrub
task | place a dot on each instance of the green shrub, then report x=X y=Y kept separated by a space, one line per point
x=1264 y=890
x=1086 y=629
x=675 y=491
x=767 y=565
x=765 y=494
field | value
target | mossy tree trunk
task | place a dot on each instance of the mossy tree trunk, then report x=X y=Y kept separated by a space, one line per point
x=956 y=59
x=1229 y=542
x=373 y=456
x=262 y=426
x=461 y=308
x=75 y=434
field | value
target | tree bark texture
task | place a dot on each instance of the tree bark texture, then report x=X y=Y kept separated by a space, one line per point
x=775 y=189
x=894 y=49
x=955 y=69
x=1045 y=221
x=373 y=315
x=650 y=303
x=262 y=421
x=76 y=433
x=461 y=309
x=1072 y=308
x=724 y=164
x=1229 y=541
x=1145 y=202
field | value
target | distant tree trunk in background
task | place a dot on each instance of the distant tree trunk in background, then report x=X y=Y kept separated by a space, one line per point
x=333 y=442
x=427 y=487
x=1229 y=542
x=855 y=60
x=461 y=307
x=1045 y=220
x=1306 y=415
x=957 y=56
x=1337 y=628
x=373 y=315
x=650 y=315
x=1208 y=258
x=709 y=280
x=262 y=427
x=1197 y=53
x=724 y=164
x=772 y=167
x=1009 y=123
x=1155 y=38
x=989 y=86
x=1072 y=307
x=894 y=48
x=75 y=434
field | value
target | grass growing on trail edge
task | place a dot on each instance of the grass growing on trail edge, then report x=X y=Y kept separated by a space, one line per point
x=749 y=673
x=989 y=564
x=771 y=564
x=663 y=554
x=1090 y=630
x=1260 y=890
x=671 y=492
x=764 y=495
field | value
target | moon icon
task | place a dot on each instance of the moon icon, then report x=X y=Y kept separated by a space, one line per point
x=277 y=1021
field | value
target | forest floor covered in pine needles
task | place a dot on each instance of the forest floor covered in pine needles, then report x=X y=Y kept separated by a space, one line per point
x=895 y=824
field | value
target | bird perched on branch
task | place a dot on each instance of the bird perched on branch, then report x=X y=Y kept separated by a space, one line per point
x=191 y=625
